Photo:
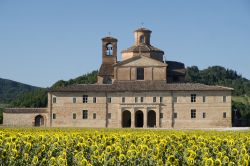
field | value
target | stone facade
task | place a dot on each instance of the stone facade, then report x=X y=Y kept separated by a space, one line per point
x=143 y=90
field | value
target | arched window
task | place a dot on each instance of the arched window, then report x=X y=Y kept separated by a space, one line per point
x=142 y=39
x=109 y=49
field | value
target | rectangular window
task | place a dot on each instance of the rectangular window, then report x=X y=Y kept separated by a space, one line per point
x=85 y=114
x=204 y=115
x=140 y=73
x=109 y=115
x=193 y=113
x=94 y=99
x=108 y=99
x=141 y=99
x=85 y=98
x=161 y=99
x=193 y=98
x=204 y=99
x=94 y=115
x=54 y=116
x=136 y=99
x=154 y=99
x=175 y=99
x=74 y=115
x=123 y=99
x=54 y=99
x=224 y=114
x=74 y=100
x=161 y=115
x=175 y=115
x=224 y=99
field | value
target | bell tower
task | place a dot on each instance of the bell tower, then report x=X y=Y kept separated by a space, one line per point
x=109 y=50
x=109 y=58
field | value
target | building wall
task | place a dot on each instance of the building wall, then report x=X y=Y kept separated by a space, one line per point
x=23 y=119
x=214 y=107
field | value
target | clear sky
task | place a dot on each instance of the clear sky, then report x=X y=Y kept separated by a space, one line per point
x=44 y=41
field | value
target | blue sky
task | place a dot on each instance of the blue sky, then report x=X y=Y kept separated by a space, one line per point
x=45 y=41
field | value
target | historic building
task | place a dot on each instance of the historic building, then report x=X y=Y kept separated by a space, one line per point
x=141 y=90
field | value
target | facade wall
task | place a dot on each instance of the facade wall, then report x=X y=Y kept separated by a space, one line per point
x=214 y=107
x=23 y=119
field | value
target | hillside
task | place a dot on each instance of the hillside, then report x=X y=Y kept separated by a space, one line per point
x=9 y=90
x=215 y=75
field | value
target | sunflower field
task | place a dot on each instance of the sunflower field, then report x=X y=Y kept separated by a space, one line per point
x=37 y=146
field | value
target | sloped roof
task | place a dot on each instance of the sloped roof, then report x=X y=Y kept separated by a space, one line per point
x=142 y=30
x=142 y=48
x=134 y=58
x=175 y=68
x=25 y=110
x=122 y=86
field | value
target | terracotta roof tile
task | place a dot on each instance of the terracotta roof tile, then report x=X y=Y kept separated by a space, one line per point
x=121 y=86
x=142 y=48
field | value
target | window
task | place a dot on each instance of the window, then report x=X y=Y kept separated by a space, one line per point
x=109 y=115
x=74 y=115
x=123 y=99
x=142 y=39
x=94 y=115
x=161 y=115
x=161 y=99
x=224 y=114
x=175 y=99
x=74 y=100
x=193 y=98
x=175 y=115
x=204 y=115
x=140 y=73
x=141 y=99
x=94 y=99
x=204 y=99
x=85 y=98
x=108 y=99
x=136 y=99
x=224 y=99
x=154 y=99
x=109 y=49
x=193 y=114
x=85 y=114
x=54 y=99
x=54 y=116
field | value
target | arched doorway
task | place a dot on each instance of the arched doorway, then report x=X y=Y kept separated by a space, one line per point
x=138 y=118
x=126 y=118
x=151 y=118
x=39 y=120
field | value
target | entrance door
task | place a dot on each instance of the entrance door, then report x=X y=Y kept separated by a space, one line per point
x=151 y=118
x=138 y=118
x=126 y=118
x=39 y=120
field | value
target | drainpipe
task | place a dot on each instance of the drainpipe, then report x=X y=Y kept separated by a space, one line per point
x=50 y=108
x=172 y=99
x=106 y=124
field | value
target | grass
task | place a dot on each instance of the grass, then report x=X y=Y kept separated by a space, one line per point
x=242 y=99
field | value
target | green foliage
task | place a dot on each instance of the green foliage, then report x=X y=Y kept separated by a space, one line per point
x=218 y=75
x=9 y=90
x=89 y=78
x=39 y=98
x=36 y=98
